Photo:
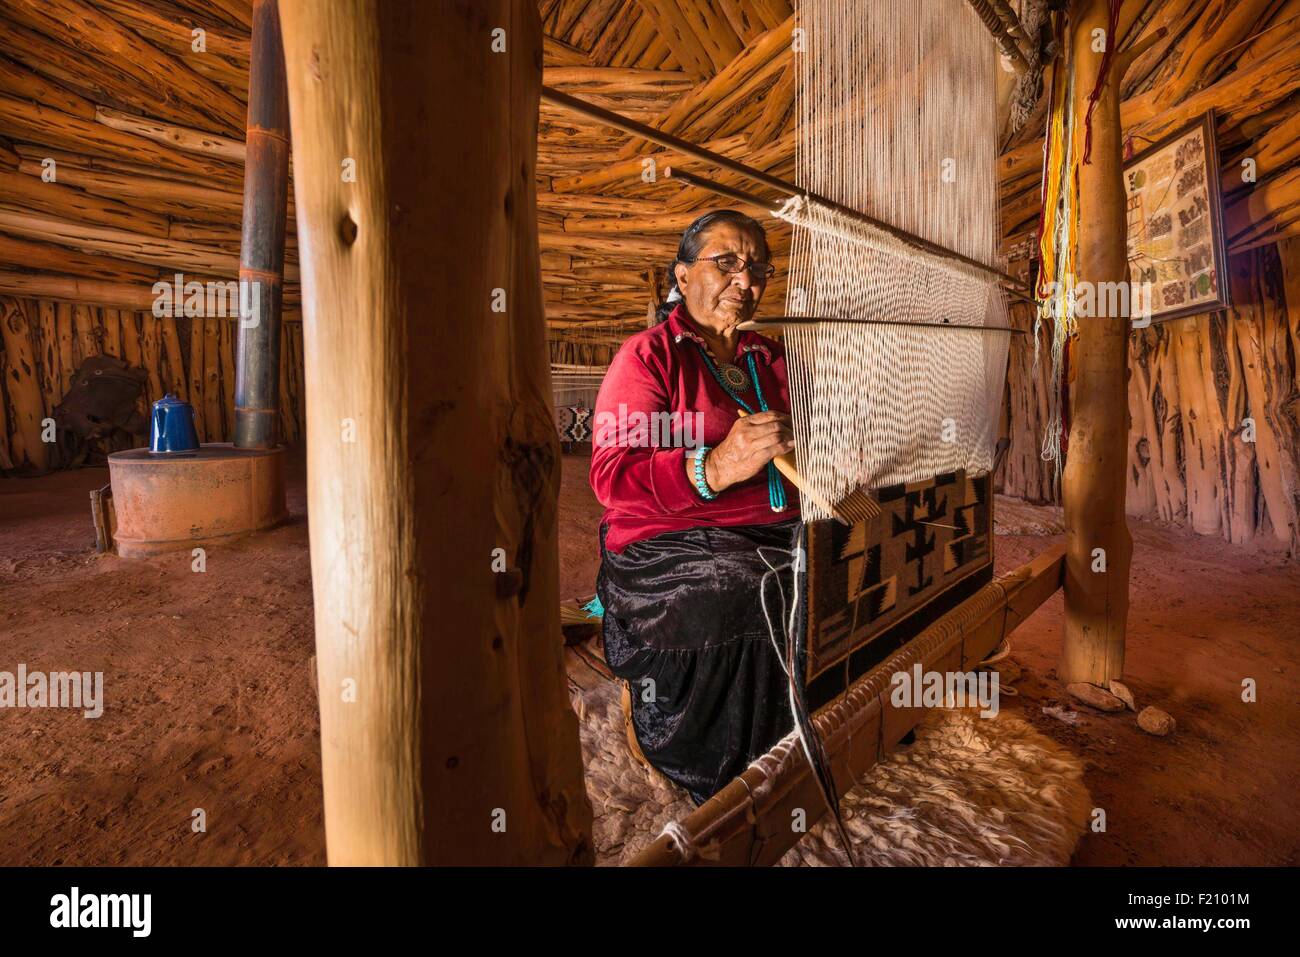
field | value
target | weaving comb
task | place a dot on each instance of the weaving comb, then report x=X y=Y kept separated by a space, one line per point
x=856 y=508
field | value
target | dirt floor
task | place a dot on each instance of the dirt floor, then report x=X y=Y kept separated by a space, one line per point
x=209 y=702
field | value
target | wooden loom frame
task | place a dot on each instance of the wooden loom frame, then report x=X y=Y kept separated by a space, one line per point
x=748 y=821
x=735 y=824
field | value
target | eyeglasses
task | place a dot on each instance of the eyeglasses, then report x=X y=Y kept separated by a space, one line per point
x=732 y=264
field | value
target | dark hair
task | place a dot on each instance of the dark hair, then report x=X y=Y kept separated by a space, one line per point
x=693 y=241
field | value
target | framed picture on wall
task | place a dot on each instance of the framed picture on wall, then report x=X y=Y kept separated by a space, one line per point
x=1175 y=223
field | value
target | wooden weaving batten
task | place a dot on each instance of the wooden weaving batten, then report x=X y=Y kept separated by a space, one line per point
x=858 y=507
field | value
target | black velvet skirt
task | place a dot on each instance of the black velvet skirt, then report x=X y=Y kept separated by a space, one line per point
x=684 y=626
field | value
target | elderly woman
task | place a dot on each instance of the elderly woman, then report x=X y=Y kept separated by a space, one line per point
x=689 y=504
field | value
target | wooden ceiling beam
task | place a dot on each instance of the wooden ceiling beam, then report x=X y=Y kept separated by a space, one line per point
x=1267 y=209
x=170 y=29
x=1175 y=17
x=44 y=125
x=18 y=81
x=169 y=134
x=680 y=38
x=86 y=76
x=778 y=110
x=628 y=246
x=686 y=111
x=59 y=199
x=616 y=33
x=1240 y=94
x=592 y=22
x=135 y=246
x=618 y=81
x=631 y=169
x=233 y=13
x=744 y=19
x=35 y=153
x=639 y=39
x=596 y=204
x=721 y=42
x=558 y=53
x=1201 y=58
x=97 y=35
x=26 y=254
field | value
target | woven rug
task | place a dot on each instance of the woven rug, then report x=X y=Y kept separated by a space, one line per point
x=968 y=792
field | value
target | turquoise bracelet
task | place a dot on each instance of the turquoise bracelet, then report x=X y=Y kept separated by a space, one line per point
x=701 y=483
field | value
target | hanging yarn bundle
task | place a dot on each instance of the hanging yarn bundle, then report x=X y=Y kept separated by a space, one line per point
x=896 y=118
x=1058 y=244
x=1069 y=143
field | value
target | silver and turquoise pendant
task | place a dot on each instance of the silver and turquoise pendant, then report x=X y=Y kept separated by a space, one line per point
x=733 y=376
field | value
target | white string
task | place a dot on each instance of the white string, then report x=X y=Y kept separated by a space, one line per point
x=576 y=384
x=681 y=838
x=896 y=118
x=798 y=564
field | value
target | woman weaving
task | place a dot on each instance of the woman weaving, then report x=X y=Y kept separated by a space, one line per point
x=681 y=569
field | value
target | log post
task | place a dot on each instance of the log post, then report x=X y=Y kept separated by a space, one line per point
x=433 y=467
x=23 y=385
x=1099 y=547
x=261 y=256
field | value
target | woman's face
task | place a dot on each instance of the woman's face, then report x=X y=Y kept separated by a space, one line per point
x=713 y=298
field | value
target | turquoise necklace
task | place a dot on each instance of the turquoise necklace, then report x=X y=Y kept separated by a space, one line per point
x=775 y=490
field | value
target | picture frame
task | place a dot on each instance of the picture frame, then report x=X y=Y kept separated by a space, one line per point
x=1175 y=223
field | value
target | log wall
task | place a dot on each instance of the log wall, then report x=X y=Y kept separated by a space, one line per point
x=45 y=342
x=1213 y=405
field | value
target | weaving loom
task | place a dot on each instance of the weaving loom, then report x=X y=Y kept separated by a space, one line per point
x=888 y=398
x=574 y=388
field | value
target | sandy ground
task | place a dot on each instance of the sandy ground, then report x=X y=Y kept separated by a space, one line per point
x=209 y=700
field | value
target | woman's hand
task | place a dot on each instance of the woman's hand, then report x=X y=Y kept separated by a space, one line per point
x=753 y=441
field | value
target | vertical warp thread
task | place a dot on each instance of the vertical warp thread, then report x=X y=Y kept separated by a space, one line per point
x=896 y=118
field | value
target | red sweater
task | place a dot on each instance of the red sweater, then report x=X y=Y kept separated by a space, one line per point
x=637 y=467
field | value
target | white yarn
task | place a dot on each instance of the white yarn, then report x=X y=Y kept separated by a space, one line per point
x=576 y=384
x=681 y=838
x=896 y=114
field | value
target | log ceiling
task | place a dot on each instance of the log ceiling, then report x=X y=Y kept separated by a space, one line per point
x=146 y=136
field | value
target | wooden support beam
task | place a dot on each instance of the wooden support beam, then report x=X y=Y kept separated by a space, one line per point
x=425 y=458
x=1099 y=546
x=748 y=821
x=261 y=254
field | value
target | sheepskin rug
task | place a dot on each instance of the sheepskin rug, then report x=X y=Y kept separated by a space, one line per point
x=968 y=792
